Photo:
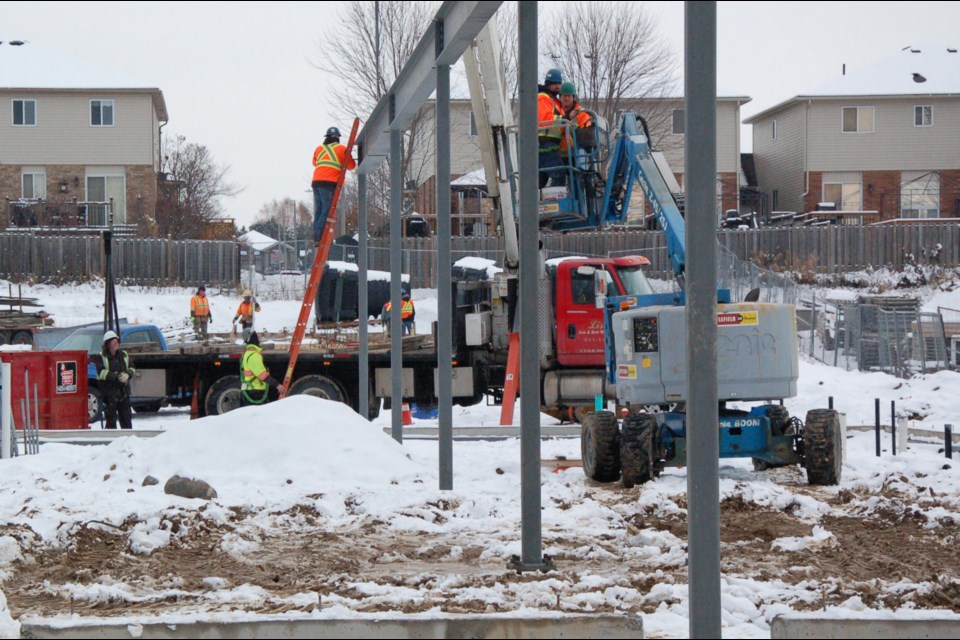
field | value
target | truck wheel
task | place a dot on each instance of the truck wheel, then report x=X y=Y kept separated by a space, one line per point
x=223 y=396
x=822 y=447
x=22 y=337
x=149 y=407
x=639 y=455
x=600 y=446
x=94 y=405
x=779 y=421
x=318 y=387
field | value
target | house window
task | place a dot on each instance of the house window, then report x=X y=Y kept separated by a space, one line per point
x=923 y=115
x=678 y=125
x=919 y=194
x=34 y=184
x=773 y=130
x=100 y=190
x=24 y=113
x=846 y=195
x=473 y=126
x=101 y=113
x=858 y=119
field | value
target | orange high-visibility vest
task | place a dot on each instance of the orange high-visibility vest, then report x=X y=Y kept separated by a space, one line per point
x=200 y=306
x=406 y=309
x=328 y=160
x=549 y=116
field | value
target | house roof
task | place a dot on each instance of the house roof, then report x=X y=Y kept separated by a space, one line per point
x=258 y=241
x=29 y=67
x=928 y=70
x=476 y=178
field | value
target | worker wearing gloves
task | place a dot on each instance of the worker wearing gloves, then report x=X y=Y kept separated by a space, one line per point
x=114 y=373
x=256 y=379
x=245 y=312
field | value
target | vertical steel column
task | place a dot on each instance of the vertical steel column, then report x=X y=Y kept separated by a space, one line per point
x=703 y=448
x=396 y=304
x=531 y=542
x=362 y=299
x=444 y=276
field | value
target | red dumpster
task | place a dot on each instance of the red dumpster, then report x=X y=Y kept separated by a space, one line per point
x=60 y=378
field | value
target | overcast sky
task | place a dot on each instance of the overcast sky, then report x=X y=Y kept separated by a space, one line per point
x=237 y=76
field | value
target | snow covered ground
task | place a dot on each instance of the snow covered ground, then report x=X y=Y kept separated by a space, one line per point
x=319 y=514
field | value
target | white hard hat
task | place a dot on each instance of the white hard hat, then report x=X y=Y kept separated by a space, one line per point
x=110 y=335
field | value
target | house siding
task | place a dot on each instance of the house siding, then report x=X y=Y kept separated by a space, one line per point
x=780 y=161
x=895 y=142
x=63 y=134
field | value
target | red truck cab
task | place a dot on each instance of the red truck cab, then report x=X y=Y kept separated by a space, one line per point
x=579 y=329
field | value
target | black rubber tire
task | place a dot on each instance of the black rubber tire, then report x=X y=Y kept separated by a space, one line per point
x=600 y=446
x=779 y=419
x=94 y=405
x=639 y=455
x=822 y=448
x=22 y=337
x=223 y=396
x=148 y=407
x=319 y=387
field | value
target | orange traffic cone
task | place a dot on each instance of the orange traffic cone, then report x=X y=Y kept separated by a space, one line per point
x=407 y=418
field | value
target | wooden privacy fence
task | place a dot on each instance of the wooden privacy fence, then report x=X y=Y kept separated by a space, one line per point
x=828 y=249
x=144 y=261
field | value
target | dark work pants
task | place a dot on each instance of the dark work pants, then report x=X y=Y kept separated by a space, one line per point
x=113 y=409
x=322 y=199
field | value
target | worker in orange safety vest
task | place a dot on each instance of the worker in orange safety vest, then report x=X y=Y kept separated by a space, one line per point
x=328 y=160
x=200 y=313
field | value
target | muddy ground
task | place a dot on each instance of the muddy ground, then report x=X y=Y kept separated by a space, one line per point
x=884 y=549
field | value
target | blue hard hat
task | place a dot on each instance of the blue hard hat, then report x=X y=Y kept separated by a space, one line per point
x=553 y=75
x=333 y=132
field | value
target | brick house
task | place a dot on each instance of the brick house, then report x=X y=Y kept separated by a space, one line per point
x=881 y=141
x=73 y=139
x=665 y=117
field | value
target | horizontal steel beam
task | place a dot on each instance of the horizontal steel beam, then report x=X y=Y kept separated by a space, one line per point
x=462 y=21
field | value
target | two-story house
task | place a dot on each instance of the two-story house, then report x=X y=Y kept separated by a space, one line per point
x=665 y=117
x=883 y=140
x=73 y=140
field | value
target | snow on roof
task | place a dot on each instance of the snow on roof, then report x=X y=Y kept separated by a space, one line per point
x=258 y=241
x=29 y=66
x=476 y=178
x=479 y=264
x=923 y=70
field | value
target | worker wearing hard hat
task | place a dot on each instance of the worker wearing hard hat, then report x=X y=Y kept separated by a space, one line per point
x=245 y=312
x=114 y=373
x=328 y=161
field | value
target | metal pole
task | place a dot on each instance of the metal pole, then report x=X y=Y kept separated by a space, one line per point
x=876 y=411
x=893 y=425
x=948 y=441
x=6 y=411
x=703 y=476
x=362 y=299
x=35 y=431
x=531 y=532
x=444 y=275
x=830 y=402
x=396 y=327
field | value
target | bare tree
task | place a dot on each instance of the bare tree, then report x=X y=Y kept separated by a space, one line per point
x=191 y=189
x=285 y=219
x=382 y=36
x=616 y=57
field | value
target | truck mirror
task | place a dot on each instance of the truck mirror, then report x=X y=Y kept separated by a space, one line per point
x=600 y=287
x=586 y=270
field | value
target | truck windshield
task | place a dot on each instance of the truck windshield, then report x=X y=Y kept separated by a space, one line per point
x=635 y=283
x=83 y=340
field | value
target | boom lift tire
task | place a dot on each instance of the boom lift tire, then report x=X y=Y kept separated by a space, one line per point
x=600 y=446
x=638 y=449
x=822 y=448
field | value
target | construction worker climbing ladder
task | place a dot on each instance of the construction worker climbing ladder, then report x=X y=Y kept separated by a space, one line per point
x=328 y=161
